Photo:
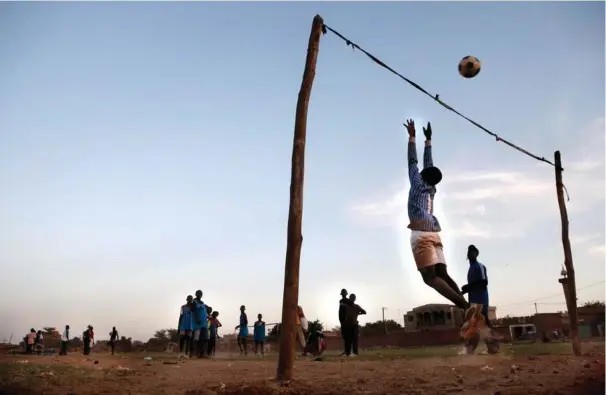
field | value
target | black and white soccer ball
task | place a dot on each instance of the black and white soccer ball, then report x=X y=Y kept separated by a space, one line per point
x=469 y=66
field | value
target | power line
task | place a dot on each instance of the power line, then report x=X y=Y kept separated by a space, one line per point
x=531 y=301
x=434 y=97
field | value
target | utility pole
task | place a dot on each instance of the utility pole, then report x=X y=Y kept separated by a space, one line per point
x=570 y=284
x=536 y=310
x=384 y=323
x=294 y=239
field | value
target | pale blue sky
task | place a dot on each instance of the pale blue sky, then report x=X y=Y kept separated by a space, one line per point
x=145 y=153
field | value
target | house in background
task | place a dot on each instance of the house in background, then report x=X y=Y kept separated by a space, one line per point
x=438 y=317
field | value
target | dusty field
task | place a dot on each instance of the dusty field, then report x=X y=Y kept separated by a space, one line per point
x=397 y=372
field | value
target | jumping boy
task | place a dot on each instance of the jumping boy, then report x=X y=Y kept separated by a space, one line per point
x=259 y=335
x=425 y=228
x=214 y=324
x=186 y=326
x=243 y=331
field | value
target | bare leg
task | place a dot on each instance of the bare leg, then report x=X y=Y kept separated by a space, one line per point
x=431 y=278
x=442 y=272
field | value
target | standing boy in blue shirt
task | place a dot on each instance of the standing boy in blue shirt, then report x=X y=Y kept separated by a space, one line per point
x=185 y=326
x=213 y=324
x=477 y=288
x=243 y=331
x=259 y=335
x=200 y=336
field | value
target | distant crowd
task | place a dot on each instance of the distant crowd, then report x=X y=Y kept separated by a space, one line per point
x=34 y=341
x=198 y=327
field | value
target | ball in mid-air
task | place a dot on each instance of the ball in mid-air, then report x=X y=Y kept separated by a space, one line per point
x=469 y=66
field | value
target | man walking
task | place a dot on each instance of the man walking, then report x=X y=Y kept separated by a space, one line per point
x=113 y=339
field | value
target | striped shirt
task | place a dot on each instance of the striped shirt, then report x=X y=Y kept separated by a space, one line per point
x=421 y=195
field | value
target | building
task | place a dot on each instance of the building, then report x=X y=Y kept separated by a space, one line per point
x=438 y=317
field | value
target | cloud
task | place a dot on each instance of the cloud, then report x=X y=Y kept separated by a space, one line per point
x=598 y=250
x=505 y=204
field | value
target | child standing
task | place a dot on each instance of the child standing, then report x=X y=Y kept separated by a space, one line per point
x=243 y=331
x=259 y=335
x=64 y=341
x=31 y=340
x=186 y=326
x=213 y=325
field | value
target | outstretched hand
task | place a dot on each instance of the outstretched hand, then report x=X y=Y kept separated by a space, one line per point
x=410 y=126
x=427 y=131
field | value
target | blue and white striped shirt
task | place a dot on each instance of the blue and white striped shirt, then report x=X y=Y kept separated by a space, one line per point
x=421 y=195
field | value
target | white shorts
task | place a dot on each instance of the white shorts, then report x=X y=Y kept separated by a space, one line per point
x=427 y=248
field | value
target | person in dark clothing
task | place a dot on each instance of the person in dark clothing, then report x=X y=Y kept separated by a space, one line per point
x=352 y=331
x=113 y=339
x=86 y=339
x=343 y=304
x=64 y=341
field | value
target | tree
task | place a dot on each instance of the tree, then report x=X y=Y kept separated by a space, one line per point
x=594 y=303
x=160 y=335
x=274 y=333
x=172 y=335
x=315 y=326
x=379 y=327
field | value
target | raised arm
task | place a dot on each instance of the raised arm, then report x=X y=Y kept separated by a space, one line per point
x=413 y=170
x=427 y=158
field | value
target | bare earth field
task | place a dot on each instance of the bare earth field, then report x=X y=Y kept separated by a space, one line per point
x=523 y=369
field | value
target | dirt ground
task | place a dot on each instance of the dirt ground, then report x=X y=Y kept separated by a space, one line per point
x=482 y=374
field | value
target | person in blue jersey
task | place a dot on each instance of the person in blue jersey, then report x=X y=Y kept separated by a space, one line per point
x=213 y=325
x=477 y=290
x=259 y=335
x=186 y=326
x=243 y=331
x=200 y=335
x=425 y=240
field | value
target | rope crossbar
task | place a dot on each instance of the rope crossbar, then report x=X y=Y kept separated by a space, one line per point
x=326 y=28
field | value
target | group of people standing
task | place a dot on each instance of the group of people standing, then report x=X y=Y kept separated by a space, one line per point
x=198 y=325
x=33 y=341
x=259 y=333
x=349 y=312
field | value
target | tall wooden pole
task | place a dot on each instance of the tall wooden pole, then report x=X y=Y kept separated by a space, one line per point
x=571 y=295
x=290 y=300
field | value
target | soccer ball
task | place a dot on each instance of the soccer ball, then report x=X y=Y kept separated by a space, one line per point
x=469 y=66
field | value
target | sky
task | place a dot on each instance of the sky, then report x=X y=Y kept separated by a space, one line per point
x=145 y=153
